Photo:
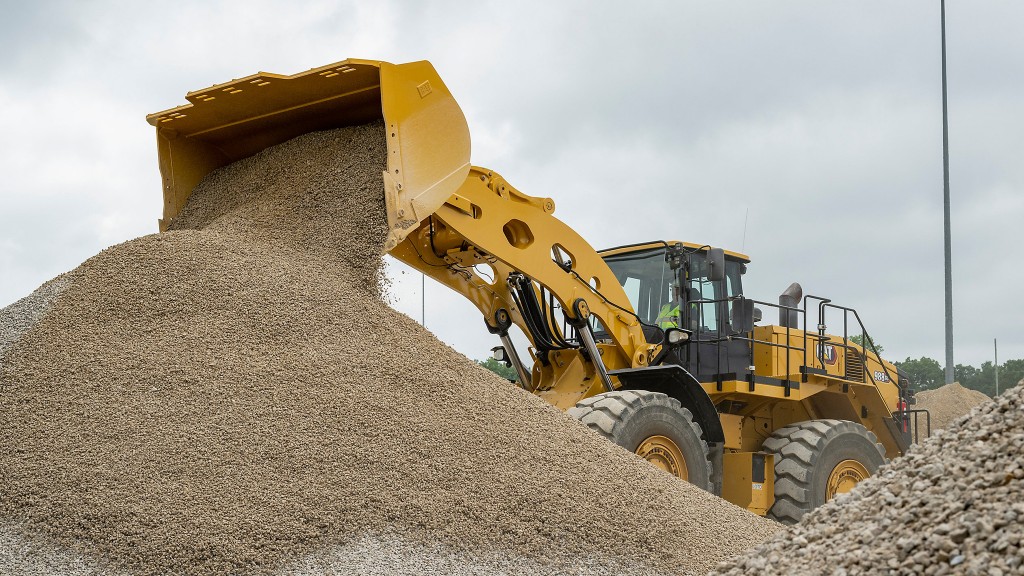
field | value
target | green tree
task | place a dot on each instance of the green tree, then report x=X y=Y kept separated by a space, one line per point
x=1010 y=373
x=499 y=368
x=984 y=380
x=924 y=373
x=859 y=340
x=967 y=376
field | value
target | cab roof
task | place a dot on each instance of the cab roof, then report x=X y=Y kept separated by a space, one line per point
x=615 y=251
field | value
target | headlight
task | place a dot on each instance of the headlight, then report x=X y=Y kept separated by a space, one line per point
x=498 y=353
x=676 y=336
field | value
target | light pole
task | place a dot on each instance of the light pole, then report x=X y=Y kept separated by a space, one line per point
x=995 y=347
x=945 y=206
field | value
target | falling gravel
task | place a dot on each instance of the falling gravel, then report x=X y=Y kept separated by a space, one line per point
x=233 y=396
x=953 y=504
x=947 y=403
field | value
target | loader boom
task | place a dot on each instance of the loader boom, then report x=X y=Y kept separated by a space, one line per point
x=507 y=253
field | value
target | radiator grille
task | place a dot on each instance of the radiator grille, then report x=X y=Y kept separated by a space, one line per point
x=854 y=365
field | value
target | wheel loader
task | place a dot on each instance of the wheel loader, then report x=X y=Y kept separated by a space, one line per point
x=654 y=345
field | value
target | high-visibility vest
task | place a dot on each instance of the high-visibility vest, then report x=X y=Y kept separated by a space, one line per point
x=668 y=316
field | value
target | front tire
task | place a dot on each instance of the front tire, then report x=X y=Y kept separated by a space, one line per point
x=652 y=425
x=817 y=460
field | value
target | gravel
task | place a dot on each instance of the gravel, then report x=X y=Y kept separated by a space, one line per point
x=17 y=318
x=233 y=396
x=953 y=504
x=22 y=555
x=388 y=554
x=947 y=403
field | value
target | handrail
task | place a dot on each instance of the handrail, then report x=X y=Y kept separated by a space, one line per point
x=803 y=351
x=817 y=340
x=719 y=308
x=928 y=422
x=826 y=303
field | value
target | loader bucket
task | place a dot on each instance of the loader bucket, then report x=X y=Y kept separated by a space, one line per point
x=427 y=135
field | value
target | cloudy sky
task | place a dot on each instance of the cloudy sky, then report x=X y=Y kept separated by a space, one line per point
x=821 y=120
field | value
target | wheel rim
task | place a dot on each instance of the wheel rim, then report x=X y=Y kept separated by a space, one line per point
x=665 y=454
x=844 y=477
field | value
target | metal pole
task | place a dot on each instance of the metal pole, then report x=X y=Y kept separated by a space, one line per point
x=995 y=346
x=945 y=205
x=423 y=300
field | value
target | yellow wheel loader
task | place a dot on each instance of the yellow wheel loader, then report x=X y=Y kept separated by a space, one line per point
x=655 y=345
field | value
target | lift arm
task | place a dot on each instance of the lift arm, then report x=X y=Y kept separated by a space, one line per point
x=507 y=253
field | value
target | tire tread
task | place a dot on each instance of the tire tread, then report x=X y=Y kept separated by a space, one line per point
x=796 y=448
x=606 y=413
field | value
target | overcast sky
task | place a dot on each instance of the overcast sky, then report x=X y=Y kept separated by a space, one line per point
x=643 y=120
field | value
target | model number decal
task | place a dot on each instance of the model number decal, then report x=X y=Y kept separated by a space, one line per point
x=881 y=376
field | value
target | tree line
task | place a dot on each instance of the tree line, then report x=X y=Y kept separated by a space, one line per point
x=927 y=374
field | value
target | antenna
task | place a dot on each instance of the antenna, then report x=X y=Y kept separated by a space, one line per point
x=743 y=246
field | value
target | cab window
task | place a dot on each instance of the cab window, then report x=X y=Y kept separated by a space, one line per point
x=646 y=279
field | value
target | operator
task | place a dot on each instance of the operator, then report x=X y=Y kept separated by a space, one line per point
x=668 y=316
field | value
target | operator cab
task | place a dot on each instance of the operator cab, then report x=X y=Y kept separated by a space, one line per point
x=675 y=285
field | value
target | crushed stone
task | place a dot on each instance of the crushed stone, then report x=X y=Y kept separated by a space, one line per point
x=953 y=505
x=21 y=555
x=233 y=396
x=388 y=554
x=947 y=403
x=18 y=317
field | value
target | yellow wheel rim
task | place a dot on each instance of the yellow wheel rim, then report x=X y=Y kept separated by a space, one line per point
x=844 y=477
x=665 y=454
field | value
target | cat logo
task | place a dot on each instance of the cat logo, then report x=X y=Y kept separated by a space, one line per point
x=827 y=353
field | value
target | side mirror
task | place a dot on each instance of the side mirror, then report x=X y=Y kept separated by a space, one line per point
x=716 y=264
x=743 y=314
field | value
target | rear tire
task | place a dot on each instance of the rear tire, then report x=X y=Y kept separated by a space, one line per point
x=652 y=425
x=816 y=460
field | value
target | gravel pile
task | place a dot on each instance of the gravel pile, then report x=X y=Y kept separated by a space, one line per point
x=947 y=403
x=953 y=504
x=233 y=396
